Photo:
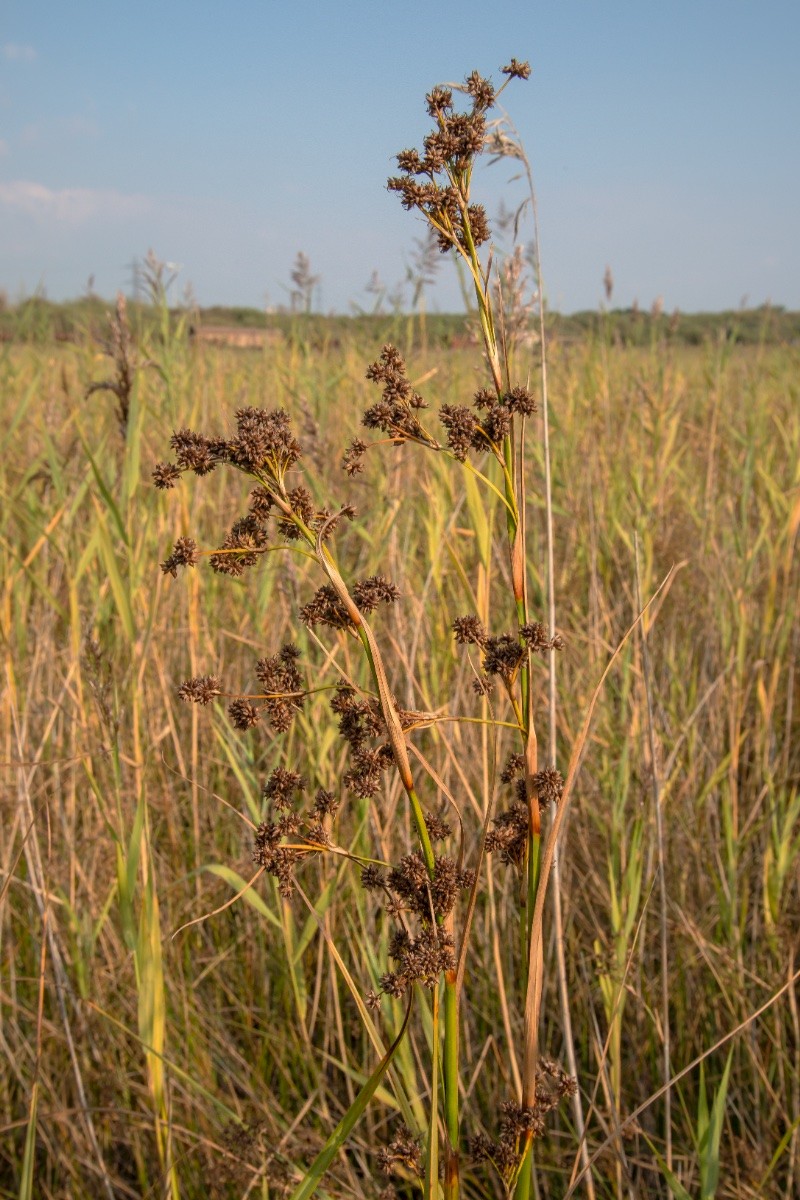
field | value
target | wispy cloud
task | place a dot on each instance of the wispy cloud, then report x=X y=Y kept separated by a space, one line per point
x=71 y=206
x=15 y=52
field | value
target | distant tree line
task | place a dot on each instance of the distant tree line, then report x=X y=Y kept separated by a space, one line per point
x=38 y=319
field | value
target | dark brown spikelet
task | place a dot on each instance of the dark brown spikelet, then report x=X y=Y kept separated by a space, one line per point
x=281 y=679
x=462 y=429
x=377 y=589
x=243 y=714
x=355 y=452
x=479 y=224
x=437 y=827
x=483 y=685
x=509 y=837
x=552 y=1084
x=520 y=400
x=439 y=101
x=403 y=1150
x=281 y=786
x=484 y=398
x=419 y=960
x=302 y=505
x=166 y=475
x=480 y=1148
x=184 y=554
x=325 y=803
x=195 y=452
x=502 y=655
x=261 y=501
x=549 y=785
x=514 y=764
x=469 y=631
x=264 y=441
x=358 y=719
x=372 y=878
x=496 y=424
x=241 y=548
x=517 y=70
x=410 y=881
x=276 y=859
x=539 y=639
x=480 y=89
x=445 y=886
x=410 y=162
x=364 y=775
x=325 y=608
x=395 y=413
x=201 y=689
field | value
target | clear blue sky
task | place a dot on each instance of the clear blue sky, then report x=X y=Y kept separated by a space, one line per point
x=665 y=141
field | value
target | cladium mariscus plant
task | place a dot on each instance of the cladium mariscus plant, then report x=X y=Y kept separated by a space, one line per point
x=429 y=874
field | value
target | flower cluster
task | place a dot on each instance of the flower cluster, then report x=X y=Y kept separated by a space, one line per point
x=503 y=654
x=487 y=423
x=283 y=686
x=282 y=790
x=184 y=554
x=241 y=548
x=420 y=959
x=395 y=413
x=265 y=448
x=402 y=1151
x=428 y=897
x=361 y=719
x=437 y=181
x=509 y=835
x=519 y=1123
x=282 y=698
x=201 y=689
x=326 y=608
x=263 y=444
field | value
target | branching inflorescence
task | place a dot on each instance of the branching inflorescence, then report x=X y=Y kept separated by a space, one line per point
x=420 y=891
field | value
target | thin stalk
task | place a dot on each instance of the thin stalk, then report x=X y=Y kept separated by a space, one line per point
x=662 y=883
x=451 y=1039
x=431 y=1188
x=552 y=697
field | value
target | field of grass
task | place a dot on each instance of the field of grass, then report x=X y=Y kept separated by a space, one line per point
x=215 y=1062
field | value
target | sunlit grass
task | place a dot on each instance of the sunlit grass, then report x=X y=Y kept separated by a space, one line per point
x=149 y=1050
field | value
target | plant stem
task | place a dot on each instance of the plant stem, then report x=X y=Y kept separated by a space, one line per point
x=451 y=1170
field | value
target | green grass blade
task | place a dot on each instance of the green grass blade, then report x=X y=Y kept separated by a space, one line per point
x=251 y=896
x=342 y=1131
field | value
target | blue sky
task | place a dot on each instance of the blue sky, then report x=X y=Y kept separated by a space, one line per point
x=663 y=137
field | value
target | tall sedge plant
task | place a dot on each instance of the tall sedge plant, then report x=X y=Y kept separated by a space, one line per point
x=431 y=893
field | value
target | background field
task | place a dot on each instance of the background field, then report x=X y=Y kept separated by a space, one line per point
x=129 y=1058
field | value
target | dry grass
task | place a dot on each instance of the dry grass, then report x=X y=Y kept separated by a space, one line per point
x=134 y=1057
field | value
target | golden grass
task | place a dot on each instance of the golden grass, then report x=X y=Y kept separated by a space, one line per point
x=149 y=1049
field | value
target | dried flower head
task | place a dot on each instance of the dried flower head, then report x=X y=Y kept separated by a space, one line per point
x=403 y=1150
x=243 y=714
x=549 y=785
x=539 y=639
x=166 y=475
x=184 y=554
x=509 y=836
x=517 y=70
x=469 y=631
x=281 y=787
x=201 y=689
x=283 y=683
x=514 y=764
